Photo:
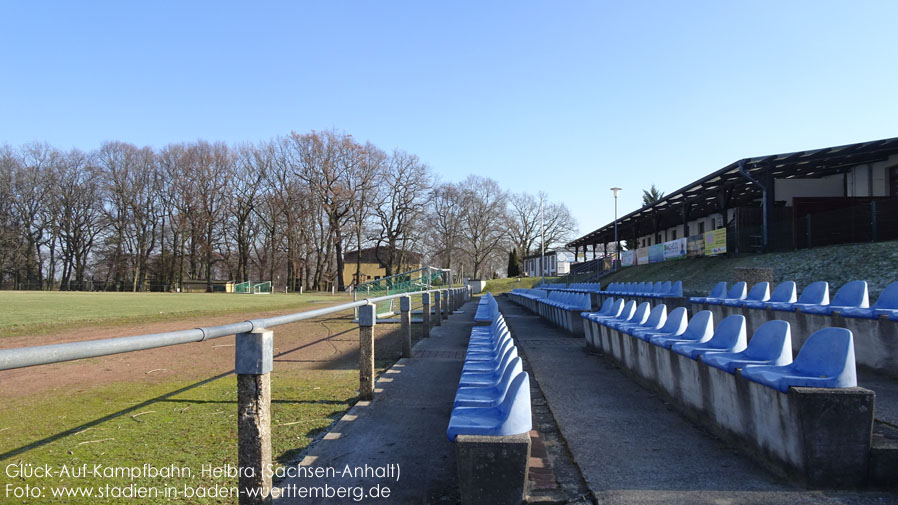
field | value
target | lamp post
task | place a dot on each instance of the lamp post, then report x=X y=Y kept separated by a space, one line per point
x=542 y=241
x=616 y=191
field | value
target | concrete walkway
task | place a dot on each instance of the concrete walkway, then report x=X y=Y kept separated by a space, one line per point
x=397 y=441
x=631 y=447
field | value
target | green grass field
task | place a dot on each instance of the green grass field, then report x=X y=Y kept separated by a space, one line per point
x=497 y=286
x=186 y=424
x=36 y=312
x=185 y=421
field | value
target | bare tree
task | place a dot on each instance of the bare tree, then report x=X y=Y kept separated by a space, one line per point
x=405 y=185
x=328 y=162
x=483 y=228
x=252 y=166
x=448 y=210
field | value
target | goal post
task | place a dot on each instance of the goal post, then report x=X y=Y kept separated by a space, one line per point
x=262 y=288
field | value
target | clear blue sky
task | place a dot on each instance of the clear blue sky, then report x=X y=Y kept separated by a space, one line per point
x=566 y=97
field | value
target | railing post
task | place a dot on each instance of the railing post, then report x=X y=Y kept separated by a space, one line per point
x=445 y=305
x=405 y=323
x=438 y=307
x=367 y=320
x=425 y=302
x=253 y=363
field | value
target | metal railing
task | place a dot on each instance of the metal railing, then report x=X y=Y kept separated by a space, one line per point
x=253 y=363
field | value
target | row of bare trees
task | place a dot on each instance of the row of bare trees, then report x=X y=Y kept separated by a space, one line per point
x=286 y=210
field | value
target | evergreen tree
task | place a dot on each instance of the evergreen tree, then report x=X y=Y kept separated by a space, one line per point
x=514 y=269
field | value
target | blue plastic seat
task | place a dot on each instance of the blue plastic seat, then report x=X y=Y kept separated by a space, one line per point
x=730 y=336
x=638 y=317
x=759 y=292
x=511 y=417
x=853 y=294
x=489 y=377
x=785 y=292
x=487 y=309
x=737 y=293
x=717 y=292
x=486 y=335
x=659 y=290
x=676 y=290
x=494 y=365
x=616 y=308
x=489 y=353
x=770 y=345
x=489 y=396
x=826 y=360
x=886 y=305
x=816 y=293
x=657 y=318
x=675 y=325
x=699 y=329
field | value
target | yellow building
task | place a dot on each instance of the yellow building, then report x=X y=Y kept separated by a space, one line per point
x=373 y=268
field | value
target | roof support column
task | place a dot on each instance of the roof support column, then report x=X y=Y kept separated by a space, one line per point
x=764 y=202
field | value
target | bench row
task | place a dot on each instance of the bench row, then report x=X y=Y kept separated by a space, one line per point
x=852 y=299
x=646 y=289
x=750 y=391
x=493 y=396
x=825 y=360
x=562 y=308
x=875 y=327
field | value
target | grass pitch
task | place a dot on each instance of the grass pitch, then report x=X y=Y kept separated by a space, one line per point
x=186 y=424
x=40 y=312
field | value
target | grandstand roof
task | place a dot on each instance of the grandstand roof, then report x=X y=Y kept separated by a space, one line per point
x=728 y=185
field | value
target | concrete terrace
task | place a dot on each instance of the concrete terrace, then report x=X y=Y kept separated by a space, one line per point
x=631 y=447
x=609 y=440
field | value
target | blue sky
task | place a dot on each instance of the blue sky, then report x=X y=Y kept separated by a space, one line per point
x=569 y=98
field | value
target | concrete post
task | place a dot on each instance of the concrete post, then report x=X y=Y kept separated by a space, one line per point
x=405 y=323
x=438 y=307
x=425 y=301
x=253 y=362
x=446 y=308
x=367 y=320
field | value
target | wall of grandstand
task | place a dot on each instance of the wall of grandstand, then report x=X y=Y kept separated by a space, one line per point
x=809 y=198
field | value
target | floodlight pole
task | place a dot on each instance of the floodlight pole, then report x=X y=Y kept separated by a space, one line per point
x=542 y=242
x=616 y=241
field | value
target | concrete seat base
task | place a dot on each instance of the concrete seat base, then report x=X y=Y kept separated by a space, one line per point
x=492 y=470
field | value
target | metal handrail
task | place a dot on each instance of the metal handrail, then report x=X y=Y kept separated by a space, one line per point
x=56 y=353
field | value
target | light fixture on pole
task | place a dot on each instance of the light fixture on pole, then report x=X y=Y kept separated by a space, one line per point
x=616 y=191
x=542 y=241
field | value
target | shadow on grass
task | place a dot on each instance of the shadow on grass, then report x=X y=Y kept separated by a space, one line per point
x=388 y=344
x=167 y=397
x=95 y=422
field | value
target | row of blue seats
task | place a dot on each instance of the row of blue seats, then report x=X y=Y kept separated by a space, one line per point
x=533 y=294
x=493 y=396
x=567 y=301
x=487 y=309
x=590 y=287
x=645 y=289
x=851 y=300
x=825 y=360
